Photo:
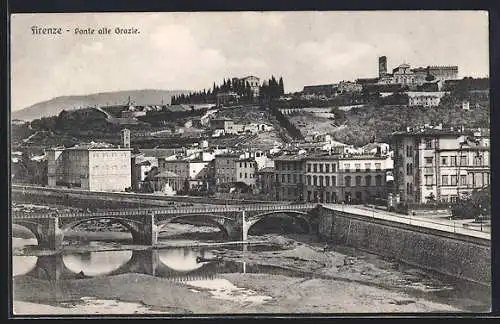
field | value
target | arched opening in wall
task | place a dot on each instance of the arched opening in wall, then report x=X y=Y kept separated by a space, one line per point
x=22 y=237
x=192 y=228
x=280 y=224
x=97 y=230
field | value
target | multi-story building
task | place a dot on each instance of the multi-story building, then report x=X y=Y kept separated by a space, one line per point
x=425 y=99
x=90 y=168
x=289 y=177
x=227 y=124
x=246 y=169
x=405 y=75
x=195 y=171
x=434 y=164
x=266 y=181
x=225 y=168
x=346 y=177
x=254 y=83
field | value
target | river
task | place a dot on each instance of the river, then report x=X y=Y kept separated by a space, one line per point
x=276 y=273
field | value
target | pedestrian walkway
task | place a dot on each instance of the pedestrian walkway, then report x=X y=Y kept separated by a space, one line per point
x=450 y=226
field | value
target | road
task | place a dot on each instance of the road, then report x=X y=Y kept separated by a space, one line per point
x=449 y=226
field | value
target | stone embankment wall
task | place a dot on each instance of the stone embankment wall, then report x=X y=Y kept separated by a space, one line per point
x=83 y=198
x=451 y=254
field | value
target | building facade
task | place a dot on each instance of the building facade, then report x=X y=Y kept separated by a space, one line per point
x=346 y=178
x=439 y=165
x=225 y=168
x=254 y=83
x=99 y=169
x=425 y=99
x=246 y=172
x=289 y=177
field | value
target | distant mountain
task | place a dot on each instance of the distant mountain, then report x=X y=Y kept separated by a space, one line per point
x=56 y=105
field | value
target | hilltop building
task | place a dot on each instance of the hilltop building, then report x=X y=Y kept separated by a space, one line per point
x=405 y=75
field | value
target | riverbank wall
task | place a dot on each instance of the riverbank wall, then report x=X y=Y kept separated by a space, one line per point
x=452 y=254
x=99 y=199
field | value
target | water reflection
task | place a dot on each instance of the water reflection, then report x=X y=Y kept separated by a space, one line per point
x=183 y=259
x=22 y=265
x=96 y=263
x=179 y=264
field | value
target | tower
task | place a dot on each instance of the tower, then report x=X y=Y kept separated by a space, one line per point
x=125 y=138
x=382 y=66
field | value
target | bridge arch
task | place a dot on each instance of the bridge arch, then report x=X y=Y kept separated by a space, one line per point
x=218 y=220
x=32 y=226
x=132 y=225
x=303 y=216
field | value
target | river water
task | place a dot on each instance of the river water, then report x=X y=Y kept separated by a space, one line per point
x=281 y=275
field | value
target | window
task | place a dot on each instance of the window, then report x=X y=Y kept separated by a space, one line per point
x=334 y=181
x=428 y=143
x=334 y=167
x=453 y=180
x=463 y=180
x=321 y=180
x=368 y=180
x=241 y=165
x=309 y=180
x=347 y=167
x=327 y=181
x=358 y=167
x=486 y=178
x=347 y=181
x=429 y=180
x=245 y=175
x=378 y=180
x=428 y=160
x=327 y=167
x=289 y=178
x=358 y=180
x=478 y=160
x=321 y=167
x=453 y=160
x=315 y=168
x=308 y=167
x=283 y=178
x=444 y=180
x=315 y=180
x=294 y=178
x=463 y=160
x=241 y=175
x=444 y=160
x=378 y=166
x=368 y=167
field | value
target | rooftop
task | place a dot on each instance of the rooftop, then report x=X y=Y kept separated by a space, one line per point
x=428 y=132
x=267 y=170
x=167 y=174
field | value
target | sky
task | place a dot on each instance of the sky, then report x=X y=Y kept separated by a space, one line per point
x=192 y=50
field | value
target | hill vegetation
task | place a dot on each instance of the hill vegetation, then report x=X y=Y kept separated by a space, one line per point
x=54 y=106
x=364 y=123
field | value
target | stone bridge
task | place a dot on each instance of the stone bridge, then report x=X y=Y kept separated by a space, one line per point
x=145 y=224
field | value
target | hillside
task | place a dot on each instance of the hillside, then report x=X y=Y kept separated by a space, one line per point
x=362 y=124
x=54 y=106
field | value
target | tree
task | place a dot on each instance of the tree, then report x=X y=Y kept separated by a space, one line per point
x=281 y=87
